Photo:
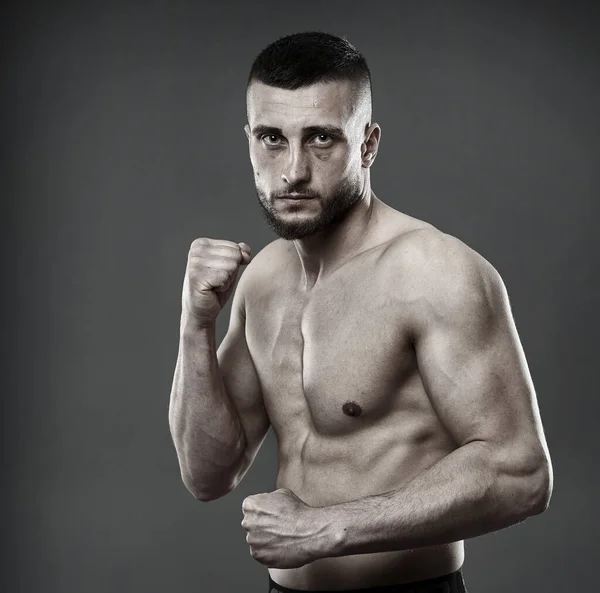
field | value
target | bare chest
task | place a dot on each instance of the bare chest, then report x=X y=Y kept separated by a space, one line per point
x=337 y=361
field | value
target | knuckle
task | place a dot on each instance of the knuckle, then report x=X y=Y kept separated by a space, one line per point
x=232 y=255
x=232 y=264
x=199 y=242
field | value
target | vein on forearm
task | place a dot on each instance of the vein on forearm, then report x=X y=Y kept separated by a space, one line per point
x=461 y=496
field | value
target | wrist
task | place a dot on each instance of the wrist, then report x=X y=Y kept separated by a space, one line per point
x=328 y=532
x=191 y=324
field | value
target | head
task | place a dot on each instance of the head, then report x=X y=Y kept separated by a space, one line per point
x=308 y=102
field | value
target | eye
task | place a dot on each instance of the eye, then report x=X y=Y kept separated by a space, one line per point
x=323 y=140
x=270 y=139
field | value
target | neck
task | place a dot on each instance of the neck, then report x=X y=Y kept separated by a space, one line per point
x=321 y=253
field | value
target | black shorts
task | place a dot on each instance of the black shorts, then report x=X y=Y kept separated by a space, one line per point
x=448 y=583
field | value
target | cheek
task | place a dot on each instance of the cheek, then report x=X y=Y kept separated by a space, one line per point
x=347 y=156
x=334 y=163
x=263 y=161
x=331 y=160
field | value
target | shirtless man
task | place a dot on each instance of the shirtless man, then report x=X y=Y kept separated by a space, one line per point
x=381 y=350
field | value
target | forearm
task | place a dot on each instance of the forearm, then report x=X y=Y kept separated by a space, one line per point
x=205 y=426
x=463 y=495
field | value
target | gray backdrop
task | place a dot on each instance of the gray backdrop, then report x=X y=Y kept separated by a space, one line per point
x=123 y=142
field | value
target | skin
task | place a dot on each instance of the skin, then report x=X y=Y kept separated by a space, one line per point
x=384 y=355
x=332 y=168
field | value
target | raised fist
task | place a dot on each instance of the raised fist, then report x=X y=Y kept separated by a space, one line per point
x=210 y=276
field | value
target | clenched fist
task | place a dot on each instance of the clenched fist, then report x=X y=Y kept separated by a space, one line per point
x=210 y=276
x=282 y=530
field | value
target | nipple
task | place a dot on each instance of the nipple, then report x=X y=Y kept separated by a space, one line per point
x=351 y=409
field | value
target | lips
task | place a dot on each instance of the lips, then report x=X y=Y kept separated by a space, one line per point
x=296 y=197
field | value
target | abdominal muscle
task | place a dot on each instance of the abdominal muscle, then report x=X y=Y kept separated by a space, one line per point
x=321 y=473
x=345 y=399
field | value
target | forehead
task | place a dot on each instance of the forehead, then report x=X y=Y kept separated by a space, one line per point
x=323 y=102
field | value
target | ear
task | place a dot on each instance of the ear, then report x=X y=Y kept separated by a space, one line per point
x=247 y=130
x=370 y=145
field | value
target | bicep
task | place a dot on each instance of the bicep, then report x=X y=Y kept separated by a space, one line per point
x=240 y=377
x=473 y=366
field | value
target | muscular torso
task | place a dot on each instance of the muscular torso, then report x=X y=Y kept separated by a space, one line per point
x=342 y=389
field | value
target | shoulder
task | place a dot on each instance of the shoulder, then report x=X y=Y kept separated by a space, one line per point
x=266 y=264
x=271 y=258
x=438 y=250
x=441 y=275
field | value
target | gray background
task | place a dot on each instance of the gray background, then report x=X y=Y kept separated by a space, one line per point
x=123 y=141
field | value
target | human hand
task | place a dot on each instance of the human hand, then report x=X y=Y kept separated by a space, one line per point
x=212 y=269
x=282 y=530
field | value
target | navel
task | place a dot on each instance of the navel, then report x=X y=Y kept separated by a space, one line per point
x=351 y=409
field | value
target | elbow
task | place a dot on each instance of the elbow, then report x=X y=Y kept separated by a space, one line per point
x=526 y=483
x=544 y=484
x=202 y=493
x=540 y=486
x=205 y=497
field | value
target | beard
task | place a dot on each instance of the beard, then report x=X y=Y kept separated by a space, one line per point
x=334 y=209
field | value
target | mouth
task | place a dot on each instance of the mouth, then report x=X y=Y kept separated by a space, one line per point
x=296 y=197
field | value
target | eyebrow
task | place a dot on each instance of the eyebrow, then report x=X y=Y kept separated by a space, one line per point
x=261 y=129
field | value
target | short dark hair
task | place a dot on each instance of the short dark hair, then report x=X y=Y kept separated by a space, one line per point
x=303 y=59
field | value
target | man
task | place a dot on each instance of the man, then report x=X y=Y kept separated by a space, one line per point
x=381 y=350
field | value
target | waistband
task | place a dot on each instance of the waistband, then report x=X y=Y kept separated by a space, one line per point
x=411 y=587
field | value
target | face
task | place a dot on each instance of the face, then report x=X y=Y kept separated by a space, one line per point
x=314 y=142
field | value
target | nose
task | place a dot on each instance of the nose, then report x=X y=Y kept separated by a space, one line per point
x=296 y=169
